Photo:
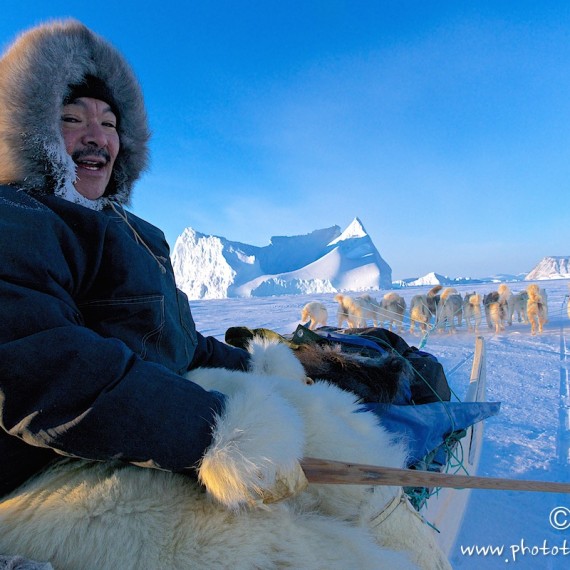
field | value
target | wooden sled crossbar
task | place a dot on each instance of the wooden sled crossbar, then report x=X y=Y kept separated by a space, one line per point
x=324 y=471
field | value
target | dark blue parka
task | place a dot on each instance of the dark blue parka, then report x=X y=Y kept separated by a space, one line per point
x=94 y=335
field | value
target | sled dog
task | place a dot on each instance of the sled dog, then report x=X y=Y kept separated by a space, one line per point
x=496 y=312
x=506 y=299
x=392 y=309
x=353 y=310
x=472 y=311
x=423 y=308
x=449 y=310
x=536 y=308
x=371 y=309
x=316 y=312
x=518 y=307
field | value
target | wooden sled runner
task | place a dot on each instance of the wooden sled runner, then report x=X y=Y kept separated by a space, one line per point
x=446 y=510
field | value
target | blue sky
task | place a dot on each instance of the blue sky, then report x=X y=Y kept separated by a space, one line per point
x=444 y=126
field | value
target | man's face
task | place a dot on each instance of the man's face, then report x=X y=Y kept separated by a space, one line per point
x=91 y=139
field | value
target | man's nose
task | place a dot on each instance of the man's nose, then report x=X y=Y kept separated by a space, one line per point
x=94 y=135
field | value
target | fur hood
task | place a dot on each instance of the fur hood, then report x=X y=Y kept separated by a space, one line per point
x=35 y=75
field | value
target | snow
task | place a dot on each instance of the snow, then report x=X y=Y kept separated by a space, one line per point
x=529 y=439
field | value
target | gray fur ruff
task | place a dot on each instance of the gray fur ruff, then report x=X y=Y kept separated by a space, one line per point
x=35 y=74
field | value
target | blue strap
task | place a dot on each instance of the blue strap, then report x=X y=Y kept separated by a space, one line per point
x=354 y=340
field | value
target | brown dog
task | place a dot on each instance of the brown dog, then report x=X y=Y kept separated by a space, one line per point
x=536 y=308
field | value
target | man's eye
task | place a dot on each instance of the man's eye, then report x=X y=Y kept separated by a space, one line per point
x=109 y=124
x=67 y=119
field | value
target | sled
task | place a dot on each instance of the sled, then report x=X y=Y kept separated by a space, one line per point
x=443 y=507
x=446 y=509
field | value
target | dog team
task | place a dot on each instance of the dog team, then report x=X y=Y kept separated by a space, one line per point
x=439 y=308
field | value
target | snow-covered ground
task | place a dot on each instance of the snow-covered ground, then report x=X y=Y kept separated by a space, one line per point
x=529 y=439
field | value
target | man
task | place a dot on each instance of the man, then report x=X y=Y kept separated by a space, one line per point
x=102 y=436
x=94 y=334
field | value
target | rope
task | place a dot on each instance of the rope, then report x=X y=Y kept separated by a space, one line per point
x=388 y=509
x=138 y=238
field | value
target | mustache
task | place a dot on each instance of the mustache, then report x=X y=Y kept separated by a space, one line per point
x=90 y=152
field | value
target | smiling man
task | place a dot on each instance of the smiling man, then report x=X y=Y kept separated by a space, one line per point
x=95 y=337
x=89 y=128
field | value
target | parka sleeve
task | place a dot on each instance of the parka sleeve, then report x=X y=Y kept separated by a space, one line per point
x=211 y=352
x=66 y=388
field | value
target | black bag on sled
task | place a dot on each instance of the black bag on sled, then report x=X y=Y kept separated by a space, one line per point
x=427 y=383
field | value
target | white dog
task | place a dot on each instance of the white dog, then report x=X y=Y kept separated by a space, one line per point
x=518 y=307
x=536 y=308
x=316 y=312
x=82 y=514
x=450 y=309
x=392 y=309
x=472 y=311
x=423 y=308
x=371 y=309
x=350 y=310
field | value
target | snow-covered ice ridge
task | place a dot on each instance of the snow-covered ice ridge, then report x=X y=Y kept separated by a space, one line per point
x=553 y=267
x=323 y=261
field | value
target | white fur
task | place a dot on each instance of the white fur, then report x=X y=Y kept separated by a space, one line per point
x=272 y=358
x=316 y=312
x=243 y=462
x=518 y=307
x=87 y=516
x=333 y=430
x=108 y=516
